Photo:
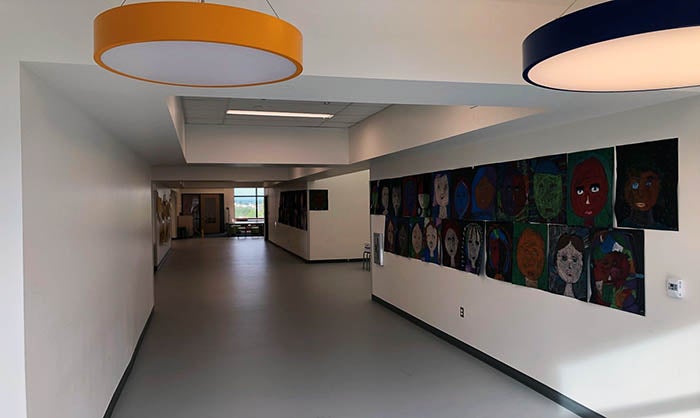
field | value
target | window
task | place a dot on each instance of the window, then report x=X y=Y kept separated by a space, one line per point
x=248 y=202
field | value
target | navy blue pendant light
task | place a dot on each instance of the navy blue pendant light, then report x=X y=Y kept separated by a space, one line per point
x=617 y=46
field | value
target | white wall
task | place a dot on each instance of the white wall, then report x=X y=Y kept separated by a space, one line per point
x=12 y=378
x=87 y=256
x=342 y=230
x=265 y=145
x=401 y=127
x=619 y=364
x=288 y=237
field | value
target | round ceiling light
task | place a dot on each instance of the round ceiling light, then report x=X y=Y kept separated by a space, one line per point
x=617 y=46
x=197 y=44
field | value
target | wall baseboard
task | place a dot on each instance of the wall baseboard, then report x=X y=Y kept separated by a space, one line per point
x=127 y=372
x=521 y=377
x=162 y=261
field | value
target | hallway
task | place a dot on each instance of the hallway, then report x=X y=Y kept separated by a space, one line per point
x=243 y=329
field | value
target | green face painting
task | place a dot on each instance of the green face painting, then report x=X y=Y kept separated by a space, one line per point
x=548 y=194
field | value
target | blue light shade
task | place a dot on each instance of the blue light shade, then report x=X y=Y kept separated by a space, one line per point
x=617 y=46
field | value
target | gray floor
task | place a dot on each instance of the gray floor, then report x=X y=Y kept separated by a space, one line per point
x=242 y=329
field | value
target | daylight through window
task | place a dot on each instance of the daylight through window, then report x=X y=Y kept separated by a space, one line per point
x=248 y=202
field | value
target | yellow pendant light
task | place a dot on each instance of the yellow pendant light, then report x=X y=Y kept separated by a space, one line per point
x=197 y=44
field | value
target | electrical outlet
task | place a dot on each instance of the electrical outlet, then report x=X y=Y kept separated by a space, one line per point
x=461 y=311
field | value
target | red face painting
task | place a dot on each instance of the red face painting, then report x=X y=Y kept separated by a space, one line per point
x=589 y=190
x=612 y=268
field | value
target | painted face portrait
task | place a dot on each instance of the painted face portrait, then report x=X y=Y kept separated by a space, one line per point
x=417 y=239
x=569 y=261
x=424 y=202
x=451 y=243
x=531 y=254
x=403 y=240
x=642 y=190
x=499 y=255
x=385 y=200
x=613 y=268
x=549 y=198
x=589 y=190
x=485 y=193
x=513 y=193
x=431 y=238
x=461 y=199
x=390 y=237
x=396 y=199
x=442 y=190
x=473 y=245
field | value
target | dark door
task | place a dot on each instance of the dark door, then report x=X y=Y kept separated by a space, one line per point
x=211 y=213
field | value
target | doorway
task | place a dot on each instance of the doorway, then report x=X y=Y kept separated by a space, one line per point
x=212 y=213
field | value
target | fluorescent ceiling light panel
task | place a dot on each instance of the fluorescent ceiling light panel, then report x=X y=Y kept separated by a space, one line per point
x=279 y=114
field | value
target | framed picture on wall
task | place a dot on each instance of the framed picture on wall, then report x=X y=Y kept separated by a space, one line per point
x=318 y=199
x=378 y=247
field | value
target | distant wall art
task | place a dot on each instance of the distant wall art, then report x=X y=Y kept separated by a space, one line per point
x=473 y=247
x=568 y=250
x=647 y=185
x=432 y=241
x=292 y=209
x=499 y=250
x=530 y=255
x=484 y=194
x=441 y=195
x=544 y=222
x=513 y=188
x=417 y=238
x=617 y=269
x=548 y=194
x=460 y=193
x=590 y=188
x=318 y=199
x=451 y=241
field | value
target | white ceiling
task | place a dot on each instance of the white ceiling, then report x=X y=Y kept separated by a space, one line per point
x=370 y=52
x=212 y=111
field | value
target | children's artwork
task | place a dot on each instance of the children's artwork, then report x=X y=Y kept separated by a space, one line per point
x=318 y=199
x=441 y=195
x=403 y=234
x=378 y=241
x=484 y=194
x=373 y=197
x=460 y=193
x=424 y=188
x=617 y=269
x=530 y=256
x=384 y=197
x=647 y=185
x=513 y=187
x=409 y=194
x=547 y=204
x=590 y=188
x=568 y=248
x=292 y=209
x=432 y=241
x=417 y=238
x=473 y=247
x=451 y=240
x=395 y=205
x=499 y=250
x=390 y=234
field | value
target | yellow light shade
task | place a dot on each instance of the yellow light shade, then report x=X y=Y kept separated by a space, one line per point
x=197 y=44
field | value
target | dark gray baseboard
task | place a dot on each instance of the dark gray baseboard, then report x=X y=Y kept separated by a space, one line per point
x=125 y=376
x=521 y=377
